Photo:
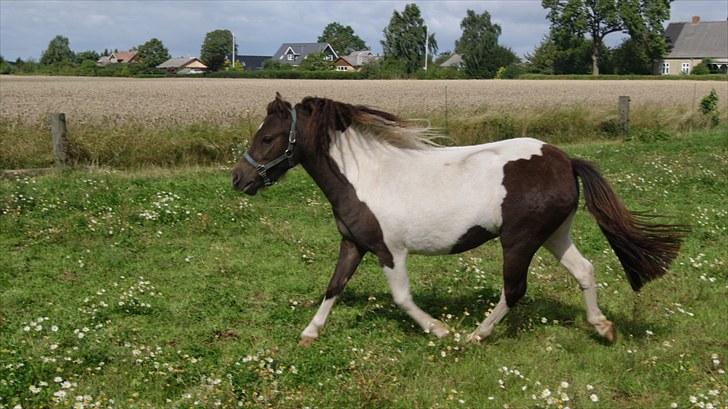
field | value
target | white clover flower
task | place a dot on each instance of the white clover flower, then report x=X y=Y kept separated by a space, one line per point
x=673 y=405
x=54 y=328
x=564 y=384
x=34 y=389
x=589 y=387
x=546 y=393
x=57 y=379
x=594 y=397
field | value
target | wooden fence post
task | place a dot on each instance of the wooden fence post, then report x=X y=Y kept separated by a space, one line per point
x=59 y=136
x=624 y=114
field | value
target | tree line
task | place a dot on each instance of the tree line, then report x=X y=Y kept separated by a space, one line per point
x=574 y=44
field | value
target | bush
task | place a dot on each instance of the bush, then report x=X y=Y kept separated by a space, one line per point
x=648 y=135
x=702 y=68
x=285 y=74
x=6 y=68
x=709 y=107
x=511 y=71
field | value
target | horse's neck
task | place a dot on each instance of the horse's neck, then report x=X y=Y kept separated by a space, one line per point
x=350 y=159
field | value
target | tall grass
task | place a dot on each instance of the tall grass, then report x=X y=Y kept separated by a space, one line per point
x=130 y=144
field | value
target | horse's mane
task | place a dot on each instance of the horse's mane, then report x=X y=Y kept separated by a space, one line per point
x=329 y=116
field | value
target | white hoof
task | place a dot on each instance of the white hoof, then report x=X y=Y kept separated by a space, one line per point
x=306 y=341
x=606 y=330
x=474 y=338
x=439 y=329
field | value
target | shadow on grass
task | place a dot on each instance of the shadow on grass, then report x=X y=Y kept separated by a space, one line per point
x=477 y=304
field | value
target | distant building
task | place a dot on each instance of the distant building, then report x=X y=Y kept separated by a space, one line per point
x=294 y=53
x=342 y=64
x=119 y=57
x=692 y=42
x=355 y=60
x=183 y=65
x=252 y=62
x=455 y=61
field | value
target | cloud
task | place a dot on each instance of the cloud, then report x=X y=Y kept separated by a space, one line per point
x=26 y=27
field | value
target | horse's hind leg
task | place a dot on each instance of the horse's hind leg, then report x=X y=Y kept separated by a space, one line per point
x=516 y=259
x=399 y=284
x=350 y=256
x=561 y=246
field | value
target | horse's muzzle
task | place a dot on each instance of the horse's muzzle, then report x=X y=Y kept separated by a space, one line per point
x=242 y=184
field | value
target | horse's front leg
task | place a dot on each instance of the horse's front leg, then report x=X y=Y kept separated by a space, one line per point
x=350 y=256
x=399 y=284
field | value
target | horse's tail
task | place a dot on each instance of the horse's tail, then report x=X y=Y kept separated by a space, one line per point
x=644 y=249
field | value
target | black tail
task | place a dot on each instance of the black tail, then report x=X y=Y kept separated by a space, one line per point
x=644 y=249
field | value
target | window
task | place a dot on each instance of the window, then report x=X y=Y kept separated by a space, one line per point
x=341 y=68
x=685 y=68
x=290 y=57
x=665 y=68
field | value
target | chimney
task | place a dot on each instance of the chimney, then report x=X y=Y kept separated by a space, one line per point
x=696 y=20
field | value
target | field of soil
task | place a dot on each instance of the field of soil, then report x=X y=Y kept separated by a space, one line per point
x=183 y=101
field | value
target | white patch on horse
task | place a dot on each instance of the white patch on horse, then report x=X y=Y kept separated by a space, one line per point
x=260 y=126
x=426 y=199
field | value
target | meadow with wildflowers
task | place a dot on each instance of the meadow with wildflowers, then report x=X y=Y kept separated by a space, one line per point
x=164 y=288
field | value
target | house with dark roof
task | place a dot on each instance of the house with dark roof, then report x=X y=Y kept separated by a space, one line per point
x=692 y=42
x=251 y=62
x=294 y=53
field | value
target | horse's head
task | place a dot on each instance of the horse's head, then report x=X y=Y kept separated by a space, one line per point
x=272 y=151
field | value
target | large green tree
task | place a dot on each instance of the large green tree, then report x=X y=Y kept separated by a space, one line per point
x=549 y=58
x=216 y=47
x=58 y=52
x=341 y=38
x=482 y=55
x=152 y=53
x=572 y=19
x=89 y=55
x=643 y=22
x=405 y=38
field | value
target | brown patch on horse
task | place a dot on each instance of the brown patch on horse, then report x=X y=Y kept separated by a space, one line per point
x=354 y=220
x=540 y=195
x=474 y=237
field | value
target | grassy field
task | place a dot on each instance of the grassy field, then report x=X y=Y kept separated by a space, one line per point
x=164 y=288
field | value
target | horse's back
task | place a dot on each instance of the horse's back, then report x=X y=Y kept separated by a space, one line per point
x=444 y=195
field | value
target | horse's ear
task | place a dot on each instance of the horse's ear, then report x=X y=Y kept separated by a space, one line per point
x=279 y=96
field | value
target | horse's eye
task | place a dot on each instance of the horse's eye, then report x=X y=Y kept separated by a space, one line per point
x=268 y=139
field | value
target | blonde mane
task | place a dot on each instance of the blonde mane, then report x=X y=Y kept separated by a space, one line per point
x=328 y=117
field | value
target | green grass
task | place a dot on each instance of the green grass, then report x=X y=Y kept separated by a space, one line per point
x=190 y=295
x=131 y=144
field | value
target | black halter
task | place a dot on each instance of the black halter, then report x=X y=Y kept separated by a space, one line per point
x=287 y=155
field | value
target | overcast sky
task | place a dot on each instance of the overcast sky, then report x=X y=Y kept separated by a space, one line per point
x=26 y=26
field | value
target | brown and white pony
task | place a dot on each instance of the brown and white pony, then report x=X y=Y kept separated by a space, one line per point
x=394 y=193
